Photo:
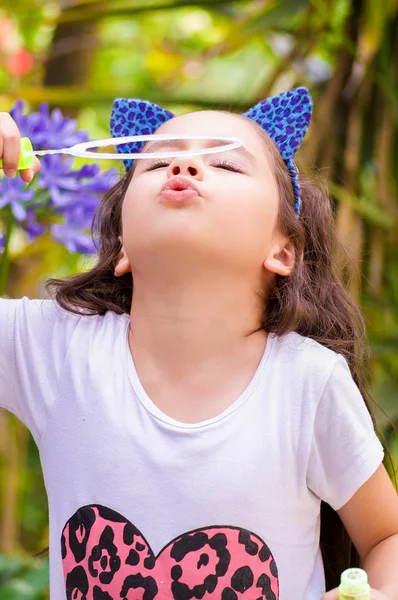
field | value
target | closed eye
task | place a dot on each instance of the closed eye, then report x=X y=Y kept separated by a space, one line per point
x=157 y=164
x=220 y=164
x=227 y=165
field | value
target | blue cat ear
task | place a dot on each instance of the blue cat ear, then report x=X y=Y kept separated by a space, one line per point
x=285 y=118
x=131 y=116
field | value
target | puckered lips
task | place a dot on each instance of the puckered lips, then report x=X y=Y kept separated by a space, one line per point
x=179 y=189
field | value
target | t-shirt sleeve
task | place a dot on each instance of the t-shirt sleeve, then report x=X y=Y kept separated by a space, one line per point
x=33 y=340
x=345 y=450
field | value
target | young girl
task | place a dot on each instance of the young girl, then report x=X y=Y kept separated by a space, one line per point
x=196 y=396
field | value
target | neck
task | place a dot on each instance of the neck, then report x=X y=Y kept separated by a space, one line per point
x=178 y=323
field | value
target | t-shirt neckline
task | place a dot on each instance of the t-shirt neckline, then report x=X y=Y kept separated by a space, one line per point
x=156 y=412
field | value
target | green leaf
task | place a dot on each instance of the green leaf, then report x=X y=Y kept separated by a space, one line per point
x=23 y=578
x=100 y=10
x=275 y=14
x=82 y=97
x=371 y=212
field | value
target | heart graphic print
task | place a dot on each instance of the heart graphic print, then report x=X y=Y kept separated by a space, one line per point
x=105 y=557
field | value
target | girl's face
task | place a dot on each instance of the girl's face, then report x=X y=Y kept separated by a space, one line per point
x=230 y=216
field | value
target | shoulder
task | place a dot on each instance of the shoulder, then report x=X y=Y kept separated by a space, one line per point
x=45 y=316
x=305 y=365
x=304 y=352
x=41 y=308
x=35 y=316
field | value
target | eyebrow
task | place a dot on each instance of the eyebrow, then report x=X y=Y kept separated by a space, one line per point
x=156 y=145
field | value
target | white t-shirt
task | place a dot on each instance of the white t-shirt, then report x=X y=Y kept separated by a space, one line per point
x=144 y=506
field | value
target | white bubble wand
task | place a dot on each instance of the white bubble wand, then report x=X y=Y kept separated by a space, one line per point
x=82 y=150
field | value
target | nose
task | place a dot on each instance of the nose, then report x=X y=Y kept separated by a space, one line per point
x=189 y=166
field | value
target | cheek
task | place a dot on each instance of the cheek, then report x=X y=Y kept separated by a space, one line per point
x=133 y=223
x=135 y=207
x=140 y=220
x=249 y=217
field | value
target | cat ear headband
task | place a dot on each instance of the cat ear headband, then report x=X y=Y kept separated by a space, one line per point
x=284 y=117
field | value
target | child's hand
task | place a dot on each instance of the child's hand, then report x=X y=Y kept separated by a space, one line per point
x=10 y=149
x=375 y=595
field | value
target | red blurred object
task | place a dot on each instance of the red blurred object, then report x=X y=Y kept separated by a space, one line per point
x=19 y=63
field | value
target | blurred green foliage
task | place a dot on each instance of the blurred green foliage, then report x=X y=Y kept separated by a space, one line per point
x=23 y=578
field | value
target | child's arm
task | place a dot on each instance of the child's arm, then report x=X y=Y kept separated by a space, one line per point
x=371 y=520
x=10 y=146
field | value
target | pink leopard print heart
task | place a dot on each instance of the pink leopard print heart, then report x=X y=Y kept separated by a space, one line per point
x=106 y=558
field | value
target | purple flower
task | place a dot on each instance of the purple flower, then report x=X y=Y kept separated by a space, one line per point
x=57 y=176
x=102 y=182
x=47 y=130
x=2 y=242
x=87 y=171
x=74 y=241
x=61 y=197
x=27 y=124
x=79 y=209
x=31 y=226
x=12 y=193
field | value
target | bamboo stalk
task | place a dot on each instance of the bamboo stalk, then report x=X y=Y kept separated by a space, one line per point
x=376 y=260
x=16 y=439
x=383 y=180
x=5 y=258
x=383 y=149
x=8 y=522
x=324 y=121
x=349 y=223
x=3 y=432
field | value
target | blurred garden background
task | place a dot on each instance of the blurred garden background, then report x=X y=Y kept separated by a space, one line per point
x=61 y=65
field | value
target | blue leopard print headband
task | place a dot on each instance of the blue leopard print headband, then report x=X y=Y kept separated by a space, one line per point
x=284 y=117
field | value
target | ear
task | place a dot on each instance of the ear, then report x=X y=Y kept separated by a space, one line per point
x=281 y=258
x=123 y=264
x=131 y=116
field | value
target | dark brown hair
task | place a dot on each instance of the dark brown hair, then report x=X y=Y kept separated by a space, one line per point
x=312 y=301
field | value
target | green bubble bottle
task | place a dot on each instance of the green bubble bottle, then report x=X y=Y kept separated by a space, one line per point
x=354 y=585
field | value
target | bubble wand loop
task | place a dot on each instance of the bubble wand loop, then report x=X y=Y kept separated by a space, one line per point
x=81 y=150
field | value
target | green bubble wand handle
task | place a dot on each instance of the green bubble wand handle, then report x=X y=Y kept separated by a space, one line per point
x=26 y=156
x=354 y=585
